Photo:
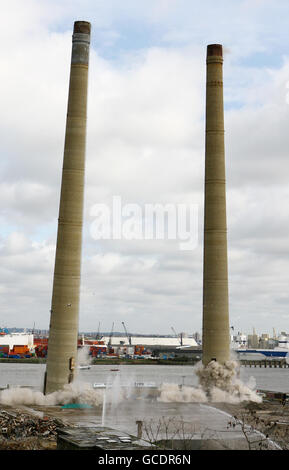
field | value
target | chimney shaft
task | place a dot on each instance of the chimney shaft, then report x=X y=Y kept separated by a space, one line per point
x=63 y=330
x=216 y=331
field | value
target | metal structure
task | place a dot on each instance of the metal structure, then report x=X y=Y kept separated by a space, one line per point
x=216 y=329
x=98 y=335
x=180 y=337
x=127 y=335
x=110 y=336
x=63 y=331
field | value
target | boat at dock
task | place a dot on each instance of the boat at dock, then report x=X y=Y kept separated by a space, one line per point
x=279 y=352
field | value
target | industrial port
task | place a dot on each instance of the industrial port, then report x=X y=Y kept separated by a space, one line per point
x=250 y=349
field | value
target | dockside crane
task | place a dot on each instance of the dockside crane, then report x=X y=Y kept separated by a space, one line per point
x=110 y=336
x=98 y=336
x=180 y=337
x=127 y=335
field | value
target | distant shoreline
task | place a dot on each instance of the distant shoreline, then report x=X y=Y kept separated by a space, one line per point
x=32 y=360
x=114 y=362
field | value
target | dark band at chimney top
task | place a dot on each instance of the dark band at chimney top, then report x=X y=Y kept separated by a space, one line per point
x=215 y=49
x=82 y=27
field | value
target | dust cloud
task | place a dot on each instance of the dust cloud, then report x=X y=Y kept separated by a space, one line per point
x=181 y=394
x=76 y=392
x=83 y=357
x=71 y=393
x=217 y=383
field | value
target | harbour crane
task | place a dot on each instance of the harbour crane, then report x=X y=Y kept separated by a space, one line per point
x=127 y=335
x=177 y=336
x=110 y=336
x=98 y=336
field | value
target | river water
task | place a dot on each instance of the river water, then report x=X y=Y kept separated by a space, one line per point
x=33 y=375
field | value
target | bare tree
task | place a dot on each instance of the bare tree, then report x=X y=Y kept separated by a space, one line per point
x=172 y=433
x=249 y=423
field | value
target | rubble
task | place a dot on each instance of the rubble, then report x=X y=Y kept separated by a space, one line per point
x=19 y=430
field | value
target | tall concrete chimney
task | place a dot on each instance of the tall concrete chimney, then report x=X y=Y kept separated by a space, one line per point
x=216 y=332
x=63 y=330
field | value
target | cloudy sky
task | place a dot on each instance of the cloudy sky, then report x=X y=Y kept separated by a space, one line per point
x=145 y=144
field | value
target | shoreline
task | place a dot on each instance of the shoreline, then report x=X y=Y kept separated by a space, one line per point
x=38 y=360
x=32 y=360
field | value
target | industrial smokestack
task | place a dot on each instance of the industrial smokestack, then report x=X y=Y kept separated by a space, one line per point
x=63 y=331
x=216 y=330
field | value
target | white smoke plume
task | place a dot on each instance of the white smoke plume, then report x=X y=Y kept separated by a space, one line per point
x=75 y=392
x=222 y=383
x=71 y=393
x=175 y=393
x=217 y=383
x=83 y=357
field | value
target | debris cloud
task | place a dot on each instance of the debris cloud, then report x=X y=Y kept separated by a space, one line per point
x=175 y=393
x=217 y=383
x=71 y=393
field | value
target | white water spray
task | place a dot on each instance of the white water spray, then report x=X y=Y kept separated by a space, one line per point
x=103 y=408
